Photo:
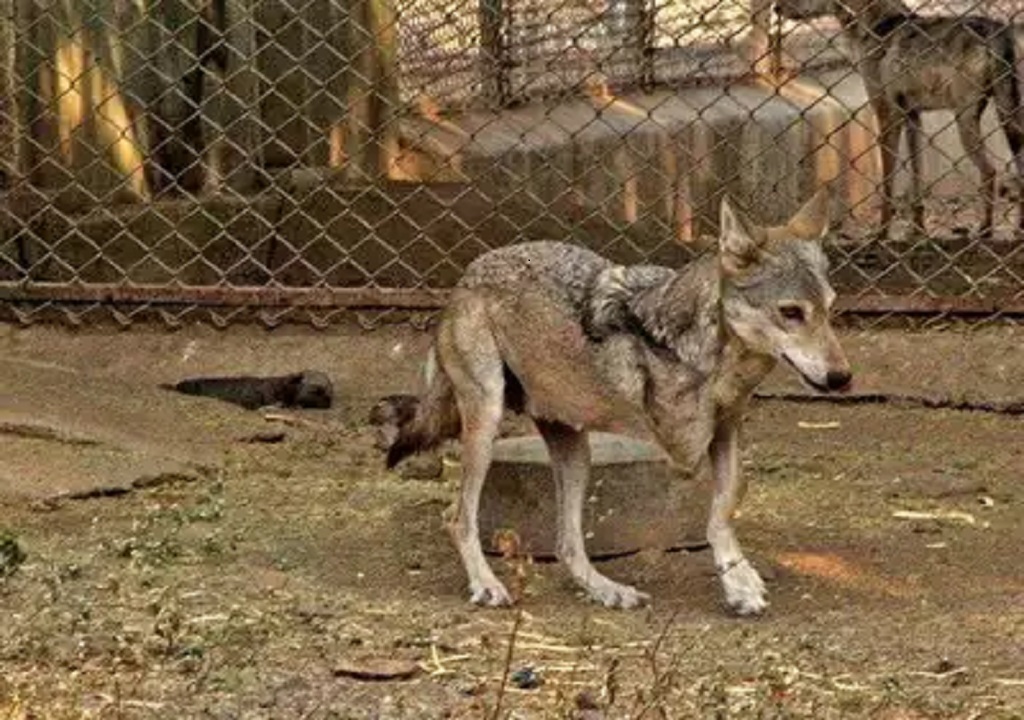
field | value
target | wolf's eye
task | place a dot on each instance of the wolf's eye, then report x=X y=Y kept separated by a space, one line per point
x=792 y=313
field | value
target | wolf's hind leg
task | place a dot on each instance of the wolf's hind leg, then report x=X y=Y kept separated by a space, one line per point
x=471 y=359
x=570 y=464
x=969 y=124
x=744 y=589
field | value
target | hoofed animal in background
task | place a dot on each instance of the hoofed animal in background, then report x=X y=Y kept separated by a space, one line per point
x=912 y=63
x=579 y=343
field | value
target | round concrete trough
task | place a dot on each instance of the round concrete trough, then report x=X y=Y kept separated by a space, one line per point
x=635 y=499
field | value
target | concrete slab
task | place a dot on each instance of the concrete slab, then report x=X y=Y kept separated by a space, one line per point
x=635 y=500
x=103 y=435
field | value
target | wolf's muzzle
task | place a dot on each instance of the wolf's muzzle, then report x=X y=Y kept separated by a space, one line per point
x=838 y=380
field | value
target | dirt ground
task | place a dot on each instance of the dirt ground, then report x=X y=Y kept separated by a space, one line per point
x=246 y=579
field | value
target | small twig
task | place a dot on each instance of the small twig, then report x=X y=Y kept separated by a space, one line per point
x=658 y=641
x=849 y=686
x=121 y=703
x=566 y=668
x=507 y=668
x=660 y=679
x=510 y=546
x=1011 y=682
x=436 y=657
x=436 y=668
x=564 y=649
x=611 y=684
x=294 y=420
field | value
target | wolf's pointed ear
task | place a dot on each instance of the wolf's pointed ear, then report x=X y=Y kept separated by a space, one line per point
x=739 y=240
x=812 y=220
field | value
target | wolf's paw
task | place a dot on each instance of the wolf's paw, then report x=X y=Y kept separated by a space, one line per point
x=491 y=594
x=744 y=589
x=613 y=595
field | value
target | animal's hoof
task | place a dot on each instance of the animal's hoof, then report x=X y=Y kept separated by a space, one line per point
x=490 y=596
x=614 y=595
x=744 y=589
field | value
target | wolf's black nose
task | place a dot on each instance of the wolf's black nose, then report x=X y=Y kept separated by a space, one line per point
x=838 y=379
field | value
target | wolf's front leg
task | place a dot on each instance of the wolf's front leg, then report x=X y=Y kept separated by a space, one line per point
x=570 y=464
x=744 y=590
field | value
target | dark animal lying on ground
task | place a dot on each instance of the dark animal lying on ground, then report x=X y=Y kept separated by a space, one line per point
x=307 y=389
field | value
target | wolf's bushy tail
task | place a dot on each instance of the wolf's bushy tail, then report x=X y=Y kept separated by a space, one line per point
x=1007 y=90
x=435 y=419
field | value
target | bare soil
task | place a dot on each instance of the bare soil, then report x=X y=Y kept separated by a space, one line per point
x=299 y=579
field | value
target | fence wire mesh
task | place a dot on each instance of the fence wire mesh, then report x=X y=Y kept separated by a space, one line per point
x=294 y=158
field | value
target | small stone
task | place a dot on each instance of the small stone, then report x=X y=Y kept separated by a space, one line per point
x=421 y=467
x=526 y=678
x=926 y=527
x=587 y=707
x=471 y=689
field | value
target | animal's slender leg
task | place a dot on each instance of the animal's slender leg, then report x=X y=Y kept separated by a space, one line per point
x=471 y=359
x=1013 y=126
x=969 y=124
x=570 y=463
x=916 y=190
x=890 y=125
x=744 y=590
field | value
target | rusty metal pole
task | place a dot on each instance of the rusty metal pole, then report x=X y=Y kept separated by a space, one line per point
x=494 y=53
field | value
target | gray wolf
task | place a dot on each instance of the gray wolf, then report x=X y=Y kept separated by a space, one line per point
x=910 y=64
x=579 y=343
x=307 y=389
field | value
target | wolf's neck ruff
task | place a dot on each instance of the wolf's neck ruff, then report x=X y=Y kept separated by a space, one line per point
x=674 y=311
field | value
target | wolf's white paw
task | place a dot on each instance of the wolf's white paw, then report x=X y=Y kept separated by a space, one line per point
x=744 y=589
x=613 y=595
x=491 y=594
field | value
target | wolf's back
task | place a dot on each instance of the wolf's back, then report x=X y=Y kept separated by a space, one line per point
x=564 y=272
x=550 y=299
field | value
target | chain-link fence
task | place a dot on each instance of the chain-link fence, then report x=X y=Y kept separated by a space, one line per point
x=298 y=157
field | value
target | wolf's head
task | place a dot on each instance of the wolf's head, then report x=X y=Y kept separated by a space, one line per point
x=776 y=298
